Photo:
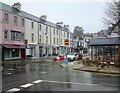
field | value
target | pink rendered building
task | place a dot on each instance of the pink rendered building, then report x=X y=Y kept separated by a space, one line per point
x=12 y=29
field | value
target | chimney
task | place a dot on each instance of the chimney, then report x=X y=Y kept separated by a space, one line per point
x=60 y=24
x=66 y=26
x=43 y=17
x=17 y=6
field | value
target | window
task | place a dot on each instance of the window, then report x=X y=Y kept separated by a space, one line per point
x=22 y=37
x=40 y=27
x=40 y=38
x=6 y=18
x=53 y=40
x=57 y=32
x=46 y=39
x=15 y=20
x=17 y=36
x=22 y=22
x=70 y=35
x=5 y=34
x=53 y=31
x=61 y=41
x=61 y=33
x=64 y=34
x=46 y=29
x=32 y=39
x=67 y=35
x=32 y=25
x=57 y=40
x=15 y=52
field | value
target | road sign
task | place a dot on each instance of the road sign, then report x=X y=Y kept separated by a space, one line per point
x=26 y=46
x=66 y=42
x=25 y=41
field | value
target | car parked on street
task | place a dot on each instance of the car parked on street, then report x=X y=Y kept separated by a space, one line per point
x=72 y=56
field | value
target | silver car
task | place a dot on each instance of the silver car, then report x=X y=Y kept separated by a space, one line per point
x=72 y=56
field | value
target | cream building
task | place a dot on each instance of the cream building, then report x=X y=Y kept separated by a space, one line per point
x=31 y=34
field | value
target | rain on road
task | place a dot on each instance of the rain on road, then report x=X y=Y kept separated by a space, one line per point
x=46 y=76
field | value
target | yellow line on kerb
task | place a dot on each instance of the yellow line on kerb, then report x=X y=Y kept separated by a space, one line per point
x=100 y=73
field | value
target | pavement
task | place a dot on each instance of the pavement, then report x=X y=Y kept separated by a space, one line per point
x=75 y=65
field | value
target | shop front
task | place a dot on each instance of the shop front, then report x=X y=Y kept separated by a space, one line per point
x=10 y=52
x=62 y=50
x=44 y=50
x=31 y=50
x=55 y=50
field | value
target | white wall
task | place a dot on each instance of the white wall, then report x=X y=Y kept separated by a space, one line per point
x=28 y=34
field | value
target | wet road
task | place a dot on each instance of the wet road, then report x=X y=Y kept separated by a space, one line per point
x=46 y=76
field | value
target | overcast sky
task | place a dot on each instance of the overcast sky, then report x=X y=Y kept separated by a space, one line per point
x=85 y=13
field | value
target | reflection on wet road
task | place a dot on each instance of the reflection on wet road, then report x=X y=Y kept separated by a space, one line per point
x=52 y=77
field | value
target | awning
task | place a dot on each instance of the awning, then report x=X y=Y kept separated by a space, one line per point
x=14 y=46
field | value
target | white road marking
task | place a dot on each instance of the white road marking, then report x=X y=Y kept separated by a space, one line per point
x=8 y=73
x=13 y=90
x=69 y=82
x=10 y=69
x=42 y=72
x=19 y=67
x=37 y=81
x=26 y=85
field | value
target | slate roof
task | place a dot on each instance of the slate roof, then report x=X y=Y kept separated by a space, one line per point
x=9 y=9
x=105 y=41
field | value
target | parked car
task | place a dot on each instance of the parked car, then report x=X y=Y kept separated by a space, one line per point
x=72 y=56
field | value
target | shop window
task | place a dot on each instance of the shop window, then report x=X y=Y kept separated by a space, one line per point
x=7 y=53
x=15 y=52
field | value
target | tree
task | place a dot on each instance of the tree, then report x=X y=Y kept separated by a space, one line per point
x=112 y=11
x=78 y=32
x=88 y=34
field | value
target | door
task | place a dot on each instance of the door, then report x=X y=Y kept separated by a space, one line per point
x=23 y=53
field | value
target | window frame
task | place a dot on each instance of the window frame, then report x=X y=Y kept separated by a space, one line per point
x=15 y=20
x=6 y=17
x=32 y=37
x=22 y=22
x=53 y=40
x=32 y=25
x=5 y=34
x=54 y=31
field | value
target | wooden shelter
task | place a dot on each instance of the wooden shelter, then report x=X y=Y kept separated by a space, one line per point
x=105 y=49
